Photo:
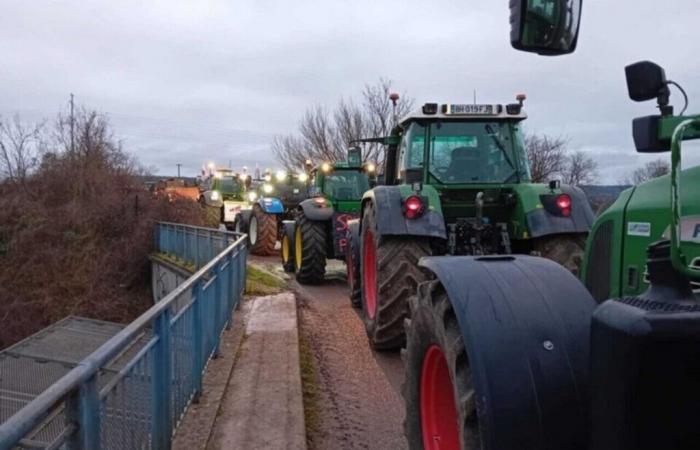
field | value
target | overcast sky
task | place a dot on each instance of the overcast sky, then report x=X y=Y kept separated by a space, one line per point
x=188 y=82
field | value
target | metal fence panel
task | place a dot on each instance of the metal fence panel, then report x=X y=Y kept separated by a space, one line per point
x=132 y=391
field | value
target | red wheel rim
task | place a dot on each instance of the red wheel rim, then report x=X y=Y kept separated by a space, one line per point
x=438 y=413
x=369 y=272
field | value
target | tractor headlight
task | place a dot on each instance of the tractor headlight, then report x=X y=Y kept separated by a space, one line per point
x=371 y=168
x=267 y=188
x=252 y=196
x=303 y=177
x=215 y=196
x=281 y=175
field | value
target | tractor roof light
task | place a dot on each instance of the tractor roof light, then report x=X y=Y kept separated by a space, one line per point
x=303 y=177
x=325 y=167
x=413 y=207
x=281 y=175
x=370 y=167
x=267 y=188
x=563 y=202
x=267 y=177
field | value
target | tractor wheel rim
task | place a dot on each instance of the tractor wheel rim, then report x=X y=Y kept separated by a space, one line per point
x=369 y=272
x=438 y=412
x=297 y=248
x=253 y=230
x=285 y=249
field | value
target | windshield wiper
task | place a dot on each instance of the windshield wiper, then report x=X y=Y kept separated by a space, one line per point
x=501 y=147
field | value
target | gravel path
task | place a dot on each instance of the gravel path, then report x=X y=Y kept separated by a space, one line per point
x=359 y=403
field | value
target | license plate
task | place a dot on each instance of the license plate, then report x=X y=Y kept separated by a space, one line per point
x=471 y=109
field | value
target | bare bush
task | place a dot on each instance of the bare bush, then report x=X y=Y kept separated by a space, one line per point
x=20 y=148
x=76 y=239
x=324 y=135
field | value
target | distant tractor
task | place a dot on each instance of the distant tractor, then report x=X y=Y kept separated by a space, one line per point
x=223 y=196
x=273 y=200
x=319 y=230
x=457 y=183
x=507 y=352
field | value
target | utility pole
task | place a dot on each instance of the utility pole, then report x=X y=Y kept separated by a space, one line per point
x=178 y=169
x=72 y=125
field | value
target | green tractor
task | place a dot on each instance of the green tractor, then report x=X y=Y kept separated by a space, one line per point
x=319 y=229
x=507 y=352
x=223 y=195
x=457 y=183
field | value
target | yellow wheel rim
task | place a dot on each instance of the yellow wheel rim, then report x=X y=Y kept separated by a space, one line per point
x=297 y=247
x=285 y=249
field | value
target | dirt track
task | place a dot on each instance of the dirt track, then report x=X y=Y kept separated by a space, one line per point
x=359 y=403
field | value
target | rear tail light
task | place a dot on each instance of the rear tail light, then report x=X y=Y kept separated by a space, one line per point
x=563 y=202
x=413 y=207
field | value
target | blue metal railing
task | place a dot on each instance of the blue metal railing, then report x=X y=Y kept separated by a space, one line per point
x=140 y=406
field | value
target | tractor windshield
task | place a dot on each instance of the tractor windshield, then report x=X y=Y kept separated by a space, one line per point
x=475 y=152
x=228 y=185
x=345 y=184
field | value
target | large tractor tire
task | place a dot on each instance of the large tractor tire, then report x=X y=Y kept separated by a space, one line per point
x=565 y=249
x=212 y=215
x=390 y=274
x=352 y=265
x=437 y=374
x=310 y=250
x=262 y=231
x=287 y=252
x=497 y=356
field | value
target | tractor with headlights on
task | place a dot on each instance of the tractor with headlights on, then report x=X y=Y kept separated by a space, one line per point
x=273 y=200
x=319 y=229
x=457 y=183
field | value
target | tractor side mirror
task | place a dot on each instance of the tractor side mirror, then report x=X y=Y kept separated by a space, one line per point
x=645 y=81
x=546 y=27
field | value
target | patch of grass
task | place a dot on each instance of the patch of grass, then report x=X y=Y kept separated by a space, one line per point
x=172 y=259
x=261 y=282
x=309 y=387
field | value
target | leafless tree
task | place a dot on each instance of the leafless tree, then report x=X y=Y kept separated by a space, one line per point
x=325 y=135
x=652 y=169
x=546 y=155
x=579 y=168
x=20 y=148
x=550 y=158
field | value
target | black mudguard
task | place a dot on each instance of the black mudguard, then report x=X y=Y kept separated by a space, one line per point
x=288 y=228
x=314 y=211
x=391 y=220
x=542 y=223
x=525 y=322
x=244 y=218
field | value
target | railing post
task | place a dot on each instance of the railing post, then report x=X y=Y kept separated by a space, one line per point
x=196 y=248
x=230 y=288
x=218 y=303
x=197 y=339
x=211 y=246
x=83 y=409
x=161 y=383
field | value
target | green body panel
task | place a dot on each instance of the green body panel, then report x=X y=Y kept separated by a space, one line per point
x=640 y=216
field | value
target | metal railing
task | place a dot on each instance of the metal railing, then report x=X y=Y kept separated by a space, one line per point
x=141 y=404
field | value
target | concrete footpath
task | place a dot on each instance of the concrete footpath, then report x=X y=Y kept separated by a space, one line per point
x=262 y=407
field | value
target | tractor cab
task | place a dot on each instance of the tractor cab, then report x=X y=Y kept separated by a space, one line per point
x=229 y=187
x=343 y=183
x=457 y=144
x=291 y=188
